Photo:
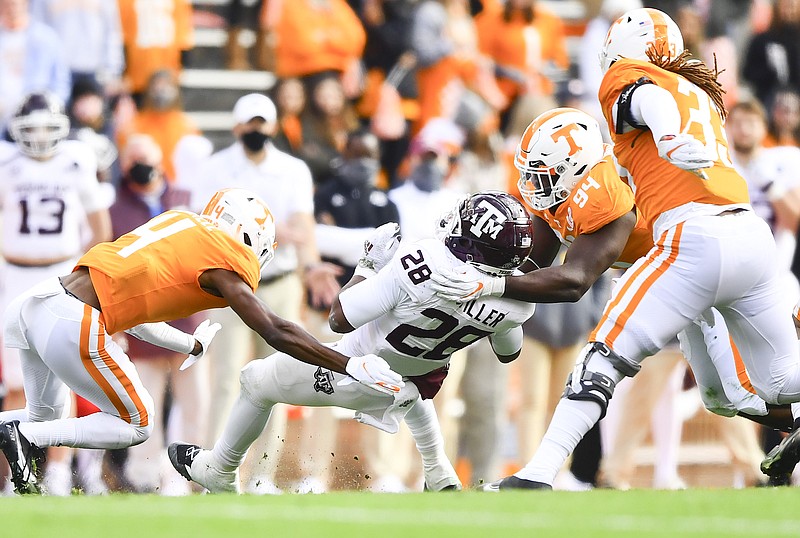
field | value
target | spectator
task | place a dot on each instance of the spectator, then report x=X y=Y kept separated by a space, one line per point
x=327 y=121
x=157 y=35
x=241 y=17
x=91 y=35
x=289 y=95
x=773 y=57
x=31 y=59
x=143 y=194
x=784 y=124
x=285 y=184
x=528 y=45
x=162 y=117
x=315 y=36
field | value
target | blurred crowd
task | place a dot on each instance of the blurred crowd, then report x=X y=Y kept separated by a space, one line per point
x=381 y=111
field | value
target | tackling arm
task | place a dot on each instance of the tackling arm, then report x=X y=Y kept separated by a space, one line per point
x=281 y=334
x=589 y=256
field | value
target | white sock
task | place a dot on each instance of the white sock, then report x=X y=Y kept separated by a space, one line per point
x=98 y=430
x=424 y=426
x=571 y=420
x=795 y=411
x=245 y=423
x=14 y=414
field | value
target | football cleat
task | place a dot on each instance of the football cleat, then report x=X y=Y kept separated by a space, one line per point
x=197 y=465
x=440 y=476
x=24 y=458
x=513 y=482
x=782 y=459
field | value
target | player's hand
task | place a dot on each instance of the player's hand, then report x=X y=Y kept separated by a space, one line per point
x=685 y=152
x=461 y=286
x=203 y=334
x=374 y=372
x=380 y=247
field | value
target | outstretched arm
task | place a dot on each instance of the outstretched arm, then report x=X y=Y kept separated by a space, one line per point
x=589 y=256
x=281 y=334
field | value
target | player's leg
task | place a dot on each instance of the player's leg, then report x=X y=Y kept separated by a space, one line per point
x=424 y=426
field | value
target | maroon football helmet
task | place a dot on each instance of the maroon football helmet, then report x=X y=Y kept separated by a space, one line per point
x=490 y=230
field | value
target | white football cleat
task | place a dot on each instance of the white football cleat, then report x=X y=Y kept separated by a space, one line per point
x=440 y=475
x=197 y=465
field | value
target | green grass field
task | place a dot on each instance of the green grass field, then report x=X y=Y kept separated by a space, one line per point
x=600 y=513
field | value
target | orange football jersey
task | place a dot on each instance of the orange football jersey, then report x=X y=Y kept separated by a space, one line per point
x=658 y=185
x=151 y=274
x=602 y=197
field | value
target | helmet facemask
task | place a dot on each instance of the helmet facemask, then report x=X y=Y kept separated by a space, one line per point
x=39 y=133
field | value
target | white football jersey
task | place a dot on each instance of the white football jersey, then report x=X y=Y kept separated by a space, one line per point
x=400 y=318
x=44 y=203
x=776 y=166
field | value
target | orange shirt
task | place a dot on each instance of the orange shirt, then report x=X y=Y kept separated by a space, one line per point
x=154 y=33
x=658 y=185
x=312 y=39
x=166 y=128
x=522 y=46
x=602 y=197
x=151 y=274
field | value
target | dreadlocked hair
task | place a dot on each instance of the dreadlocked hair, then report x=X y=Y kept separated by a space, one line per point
x=693 y=70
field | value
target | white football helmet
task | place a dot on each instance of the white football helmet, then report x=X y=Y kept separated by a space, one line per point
x=245 y=217
x=633 y=34
x=39 y=125
x=556 y=151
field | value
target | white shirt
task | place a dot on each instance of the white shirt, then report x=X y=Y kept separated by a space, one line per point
x=282 y=181
x=45 y=203
x=420 y=210
x=400 y=318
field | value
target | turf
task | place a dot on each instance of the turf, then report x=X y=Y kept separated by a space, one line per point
x=600 y=513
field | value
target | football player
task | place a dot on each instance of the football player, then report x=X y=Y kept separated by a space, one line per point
x=176 y=264
x=48 y=194
x=575 y=191
x=390 y=309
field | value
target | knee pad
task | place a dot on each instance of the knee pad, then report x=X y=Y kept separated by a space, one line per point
x=585 y=384
x=256 y=381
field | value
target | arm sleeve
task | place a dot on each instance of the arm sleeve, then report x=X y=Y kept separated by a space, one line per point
x=373 y=297
x=656 y=108
x=163 y=335
x=507 y=342
x=343 y=244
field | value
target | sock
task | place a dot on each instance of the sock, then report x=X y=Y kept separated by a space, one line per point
x=245 y=423
x=571 y=420
x=98 y=430
x=424 y=426
x=14 y=414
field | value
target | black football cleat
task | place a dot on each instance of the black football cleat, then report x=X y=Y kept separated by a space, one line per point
x=24 y=458
x=513 y=482
x=782 y=459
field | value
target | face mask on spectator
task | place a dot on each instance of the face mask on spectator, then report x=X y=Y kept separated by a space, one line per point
x=254 y=140
x=163 y=97
x=428 y=176
x=359 y=172
x=142 y=174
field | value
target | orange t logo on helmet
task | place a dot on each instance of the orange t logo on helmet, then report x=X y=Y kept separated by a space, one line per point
x=564 y=132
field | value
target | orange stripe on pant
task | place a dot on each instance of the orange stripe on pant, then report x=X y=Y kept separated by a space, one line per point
x=113 y=368
x=741 y=370
x=639 y=294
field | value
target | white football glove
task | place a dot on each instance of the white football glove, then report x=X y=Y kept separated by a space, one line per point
x=374 y=372
x=204 y=333
x=379 y=249
x=461 y=286
x=685 y=152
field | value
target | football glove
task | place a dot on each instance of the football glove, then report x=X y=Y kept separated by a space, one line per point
x=379 y=249
x=461 y=286
x=204 y=333
x=684 y=151
x=374 y=372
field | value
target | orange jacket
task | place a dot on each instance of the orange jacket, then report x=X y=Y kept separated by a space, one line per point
x=523 y=47
x=312 y=39
x=166 y=128
x=154 y=34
